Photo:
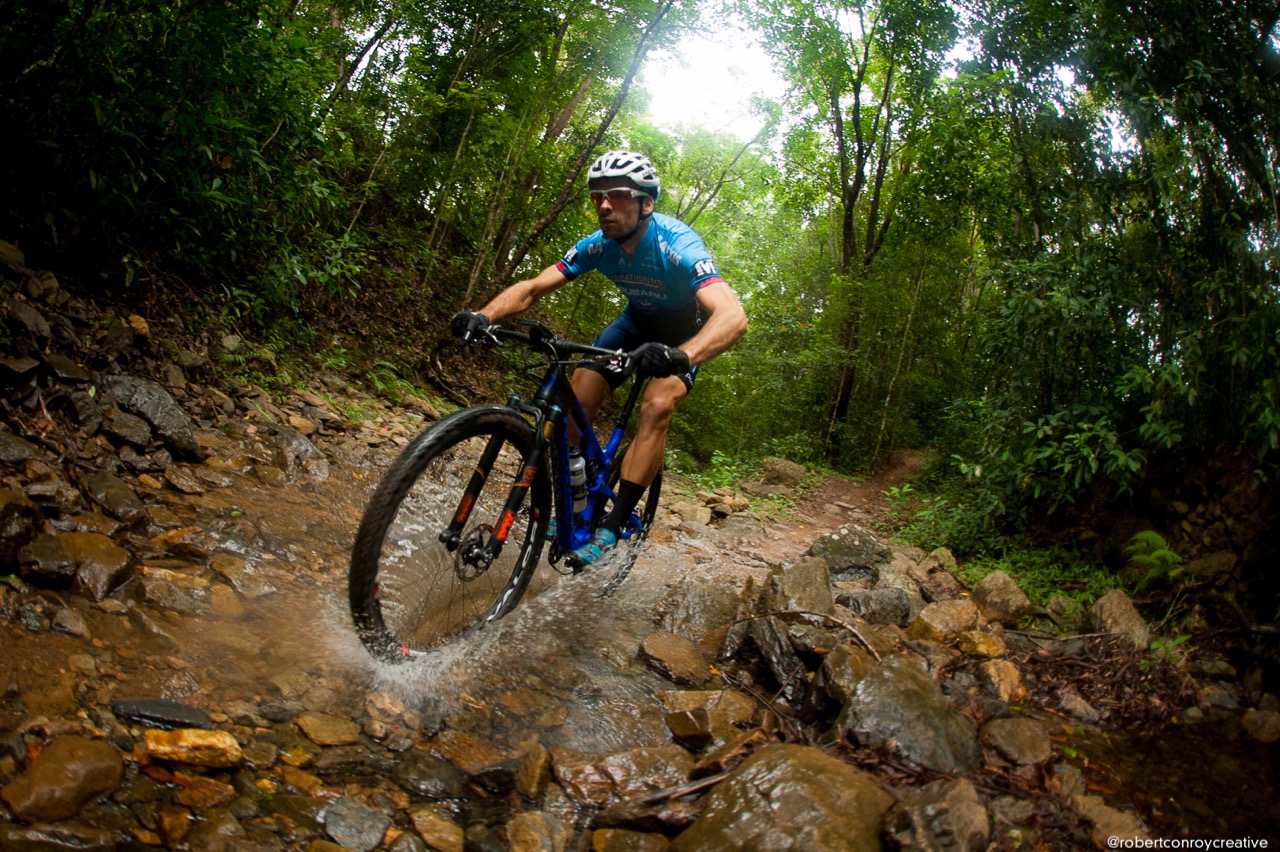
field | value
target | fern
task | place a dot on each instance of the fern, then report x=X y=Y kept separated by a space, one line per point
x=1149 y=552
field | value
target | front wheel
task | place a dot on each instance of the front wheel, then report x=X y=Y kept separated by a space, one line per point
x=432 y=560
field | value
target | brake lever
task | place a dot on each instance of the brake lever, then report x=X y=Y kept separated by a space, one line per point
x=483 y=337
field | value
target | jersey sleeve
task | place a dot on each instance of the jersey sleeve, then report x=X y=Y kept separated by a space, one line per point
x=697 y=260
x=578 y=259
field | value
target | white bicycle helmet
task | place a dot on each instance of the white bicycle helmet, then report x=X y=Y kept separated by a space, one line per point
x=636 y=168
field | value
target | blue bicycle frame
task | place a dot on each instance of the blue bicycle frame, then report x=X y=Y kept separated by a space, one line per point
x=552 y=408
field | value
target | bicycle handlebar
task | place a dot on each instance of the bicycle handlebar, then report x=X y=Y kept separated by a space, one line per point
x=540 y=335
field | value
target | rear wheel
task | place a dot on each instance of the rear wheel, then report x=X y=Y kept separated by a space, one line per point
x=429 y=562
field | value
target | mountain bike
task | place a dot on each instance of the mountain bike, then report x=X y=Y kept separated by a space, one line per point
x=456 y=528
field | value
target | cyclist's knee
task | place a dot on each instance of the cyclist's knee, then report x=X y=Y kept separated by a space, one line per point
x=658 y=408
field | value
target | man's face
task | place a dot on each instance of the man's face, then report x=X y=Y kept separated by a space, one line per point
x=618 y=216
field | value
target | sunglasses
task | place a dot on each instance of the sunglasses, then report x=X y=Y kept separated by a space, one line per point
x=615 y=196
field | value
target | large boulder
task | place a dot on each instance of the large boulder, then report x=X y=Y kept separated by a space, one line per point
x=68 y=774
x=782 y=472
x=787 y=797
x=850 y=549
x=151 y=402
x=1003 y=598
x=1115 y=613
x=898 y=706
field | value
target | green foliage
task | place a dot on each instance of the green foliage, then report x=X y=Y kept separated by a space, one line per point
x=1151 y=559
x=1044 y=573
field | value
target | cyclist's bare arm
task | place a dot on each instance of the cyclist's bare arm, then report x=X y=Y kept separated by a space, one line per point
x=521 y=296
x=725 y=324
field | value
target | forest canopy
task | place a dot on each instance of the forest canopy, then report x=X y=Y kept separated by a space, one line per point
x=1040 y=236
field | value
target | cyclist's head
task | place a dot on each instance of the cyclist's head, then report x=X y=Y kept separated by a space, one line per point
x=635 y=168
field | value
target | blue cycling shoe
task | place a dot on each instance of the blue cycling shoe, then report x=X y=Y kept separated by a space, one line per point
x=590 y=553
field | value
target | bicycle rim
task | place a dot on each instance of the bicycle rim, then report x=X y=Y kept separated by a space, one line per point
x=409 y=592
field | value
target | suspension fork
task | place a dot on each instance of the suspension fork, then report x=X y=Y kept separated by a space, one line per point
x=451 y=536
x=485 y=554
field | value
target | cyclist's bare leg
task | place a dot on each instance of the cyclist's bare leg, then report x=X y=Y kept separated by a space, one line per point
x=644 y=458
x=591 y=389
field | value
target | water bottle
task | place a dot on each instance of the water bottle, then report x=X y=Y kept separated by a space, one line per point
x=578 y=478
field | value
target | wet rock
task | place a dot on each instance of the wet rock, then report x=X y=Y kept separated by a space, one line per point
x=898 y=706
x=430 y=776
x=537 y=831
x=790 y=797
x=355 y=825
x=1001 y=595
x=218 y=831
x=71 y=622
x=771 y=638
x=183 y=479
x=675 y=658
x=532 y=770
x=101 y=564
x=175 y=590
x=841 y=672
x=621 y=840
x=63 y=835
x=201 y=793
x=437 y=829
x=127 y=427
x=15 y=450
x=942 y=815
x=154 y=404
x=1262 y=725
x=29 y=330
x=602 y=779
x=111 y=493
x=67 y=370
x=476 y=756
x=323 y=729
x=215 y=749
x=1002 y=679
x=162 y=713
x=943 y=621
x=297 y=456
x=245 y=577
x=45 y=562
x=68 y=774
x=877 y=606
x=801 y=586
x=20 y=522
x=701 y=607
x=730 y=753
x=850 y=549
x=1019 y=740
x=1114 y=612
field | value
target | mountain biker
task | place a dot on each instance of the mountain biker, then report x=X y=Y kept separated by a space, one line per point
x=679 y=314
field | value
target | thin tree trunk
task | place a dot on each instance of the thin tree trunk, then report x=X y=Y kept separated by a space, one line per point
x=570 y=188
x=902 y=351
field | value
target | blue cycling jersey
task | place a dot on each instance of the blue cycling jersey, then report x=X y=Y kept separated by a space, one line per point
x=661 y=281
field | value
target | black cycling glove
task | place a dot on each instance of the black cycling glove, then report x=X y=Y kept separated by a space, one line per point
x=467 y=325
x=660 y=360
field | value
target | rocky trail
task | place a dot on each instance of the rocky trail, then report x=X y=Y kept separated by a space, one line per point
x=180 y=671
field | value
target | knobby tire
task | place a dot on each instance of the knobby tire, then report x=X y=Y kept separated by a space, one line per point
x=409 y=593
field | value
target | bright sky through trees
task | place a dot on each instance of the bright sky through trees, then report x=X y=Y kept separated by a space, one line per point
x=709 y=80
